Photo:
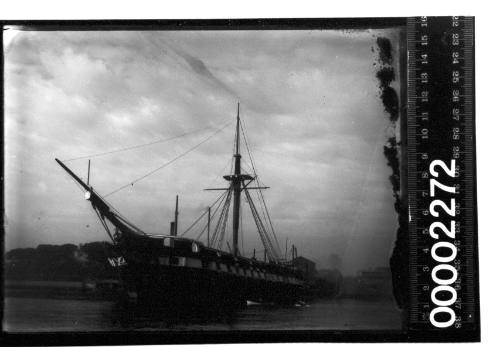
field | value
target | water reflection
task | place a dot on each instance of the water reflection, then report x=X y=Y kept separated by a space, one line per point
x=36 y=314
x=164 y=318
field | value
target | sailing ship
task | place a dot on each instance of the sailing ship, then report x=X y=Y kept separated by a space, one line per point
x=181 y=272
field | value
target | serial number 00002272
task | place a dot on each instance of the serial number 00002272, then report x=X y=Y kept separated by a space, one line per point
x=443 y=251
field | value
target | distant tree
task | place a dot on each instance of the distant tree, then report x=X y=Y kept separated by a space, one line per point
x=20 y=253
x=66 y=262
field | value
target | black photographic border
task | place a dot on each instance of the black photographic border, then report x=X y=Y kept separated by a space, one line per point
x=206 y=337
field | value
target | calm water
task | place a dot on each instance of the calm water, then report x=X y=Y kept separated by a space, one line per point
x=35 y=314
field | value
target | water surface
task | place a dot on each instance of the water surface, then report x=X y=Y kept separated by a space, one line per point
x=48 y=315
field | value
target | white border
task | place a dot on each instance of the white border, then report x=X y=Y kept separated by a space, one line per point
x=487 y=57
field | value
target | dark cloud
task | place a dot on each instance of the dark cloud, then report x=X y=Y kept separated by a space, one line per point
x=200 y=68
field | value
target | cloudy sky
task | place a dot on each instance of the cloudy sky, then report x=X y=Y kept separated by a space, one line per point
x=309 y=100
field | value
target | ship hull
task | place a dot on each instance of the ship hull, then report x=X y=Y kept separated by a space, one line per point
x=183 y=273
x=181 y=288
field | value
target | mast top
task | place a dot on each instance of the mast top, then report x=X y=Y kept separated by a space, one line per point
x=238 y=131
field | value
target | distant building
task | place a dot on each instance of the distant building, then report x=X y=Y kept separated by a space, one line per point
x=376 y=282
x=307 y=266
x=369 y=284
x=376 y=274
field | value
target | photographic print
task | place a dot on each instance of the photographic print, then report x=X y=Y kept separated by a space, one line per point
x=212 y=177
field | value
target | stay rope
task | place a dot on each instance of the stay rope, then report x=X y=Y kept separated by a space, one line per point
x=170 y=161
x=129 y=148
x=203 y=214
x=260 y=196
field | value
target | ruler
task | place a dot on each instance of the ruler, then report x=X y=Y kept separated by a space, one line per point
x=441 y=175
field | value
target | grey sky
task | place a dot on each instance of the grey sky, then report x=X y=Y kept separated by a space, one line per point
x=309 y=100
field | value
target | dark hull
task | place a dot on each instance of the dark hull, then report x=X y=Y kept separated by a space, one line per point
x=184 y=287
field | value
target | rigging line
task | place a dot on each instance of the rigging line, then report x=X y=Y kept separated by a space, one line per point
x=268 y=217
x=137 y=146
x=260 y=199
x=263 y=205
x=119 y=215
x=218 y=206
x=220 y=228
x=266 y=223
x=194 y=223
x=224 y=223
x=216 y=232
x=219 y=221
x=116 y=212
x=204 y=213
x=202 y=231
x=103 y=222
x=243 y=126
x=213 y=238
x=267 y=235
x=130 y=225
x=113 y=210
x=215 y=213
x=246 y=167
x=224 y=227
x=170 y=161
x=260 y=228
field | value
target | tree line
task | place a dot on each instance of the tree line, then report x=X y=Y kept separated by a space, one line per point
x=66 y=262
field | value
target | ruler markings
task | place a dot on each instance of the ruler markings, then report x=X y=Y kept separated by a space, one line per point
x=460 y=148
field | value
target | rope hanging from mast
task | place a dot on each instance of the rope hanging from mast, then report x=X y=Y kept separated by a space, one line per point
x=264 y=236
x=203 y=214
x=220 y=228
x=169 y=162
x=260 y=195
x=129 y=148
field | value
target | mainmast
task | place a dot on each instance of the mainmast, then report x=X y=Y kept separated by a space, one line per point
x=238 y=185
x=237 y=179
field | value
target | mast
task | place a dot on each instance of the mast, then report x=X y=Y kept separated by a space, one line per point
x=208 y=227
x=238 y=183
x=237 y=186
x=88 y=174
x=176 y=218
